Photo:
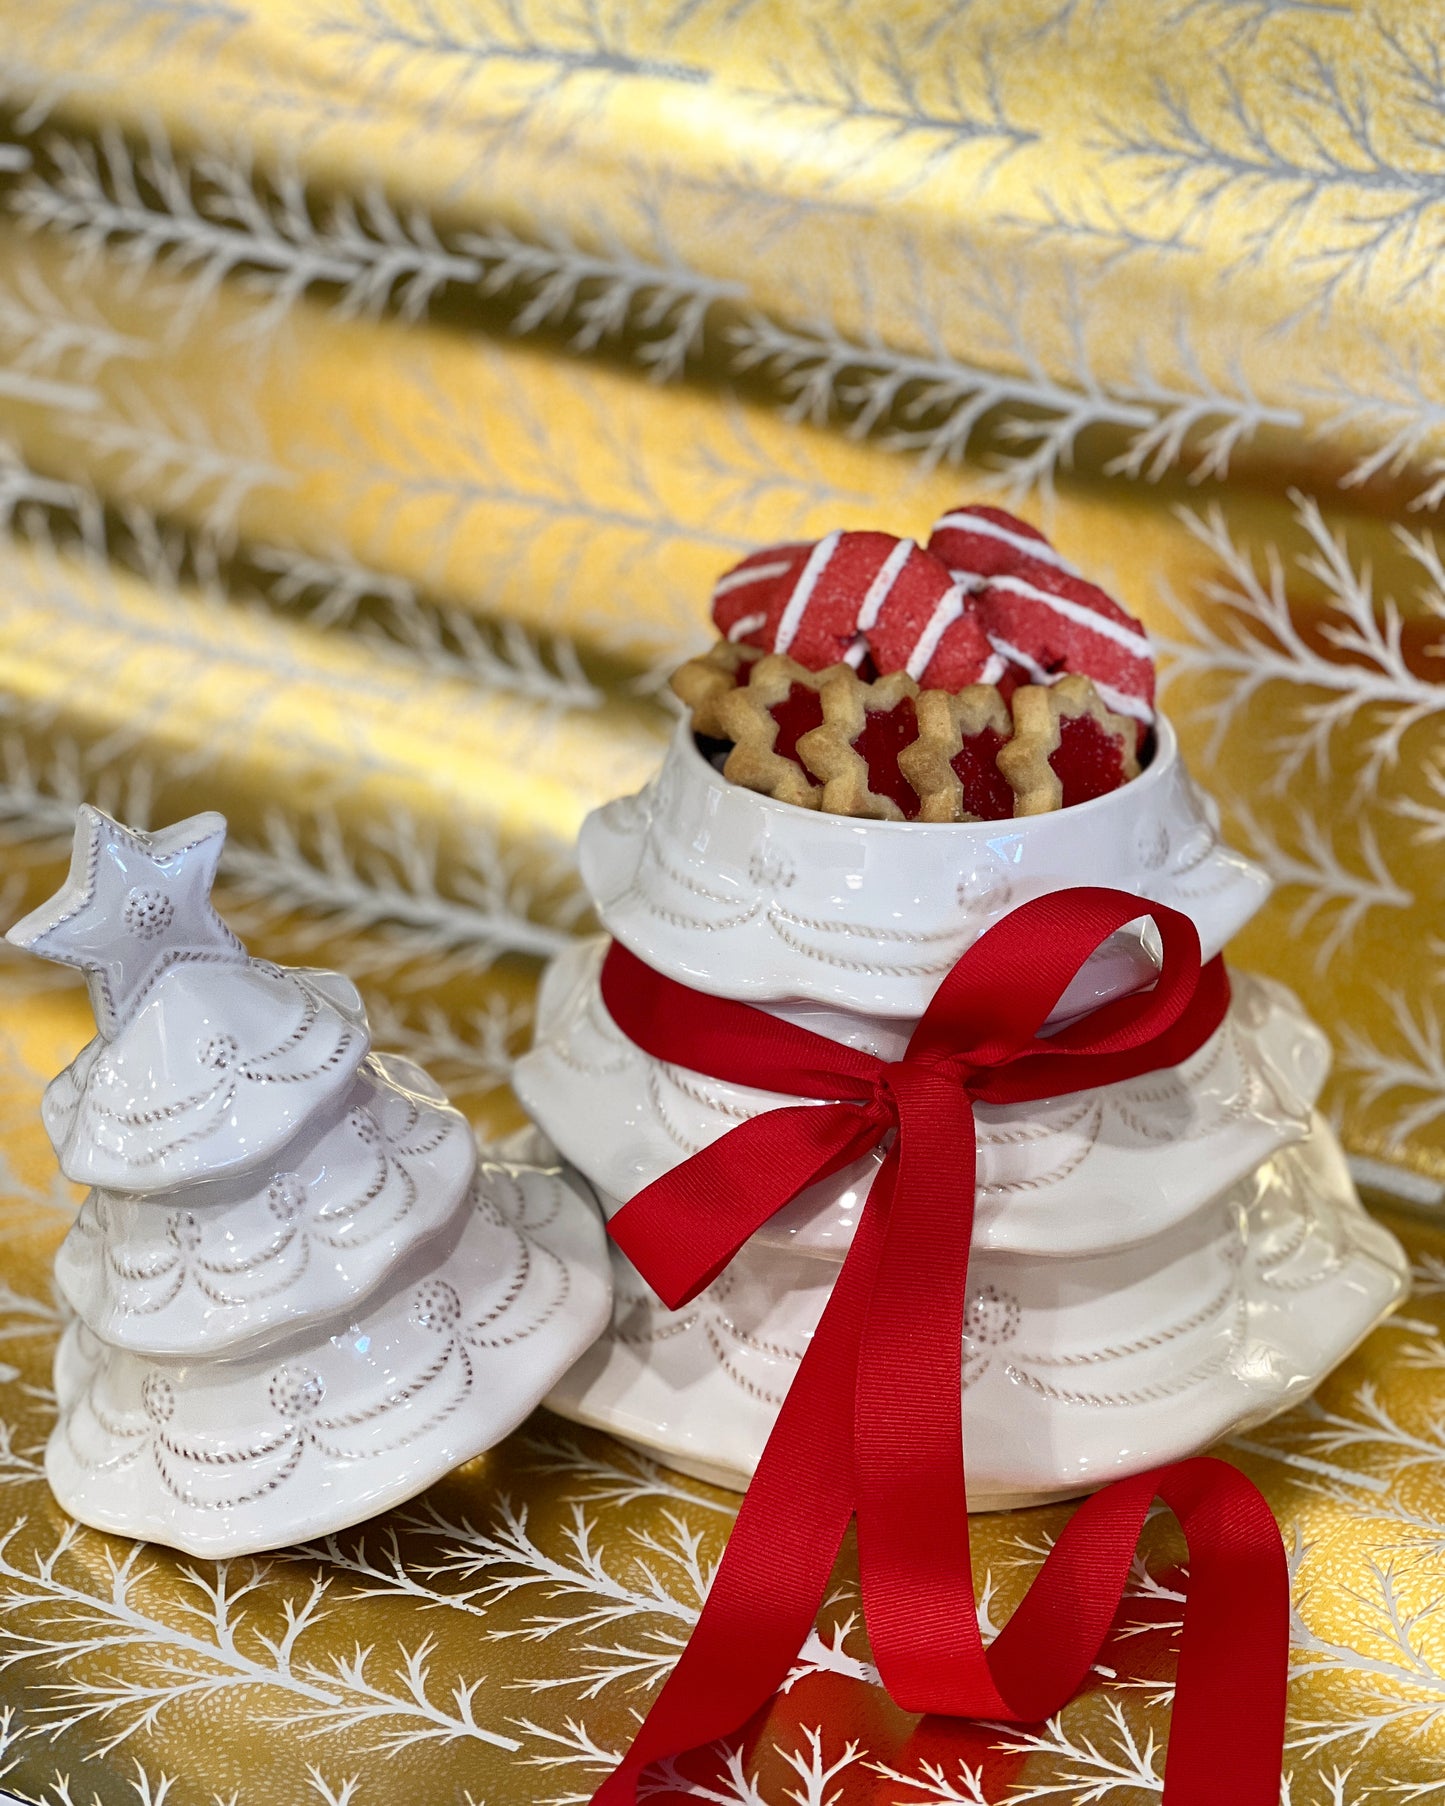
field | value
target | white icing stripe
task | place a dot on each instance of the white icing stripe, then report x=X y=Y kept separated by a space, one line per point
x=969 y=581
x=1124 y=704
x=1127 y=637
x=754 y=573
x=856 y=653
x=1017 y=657
x=1111 y=698
x=949 y=608
x=993 y=669
x=803 y=591
x=1036 y=548
x=882 y=585
x=744 y=625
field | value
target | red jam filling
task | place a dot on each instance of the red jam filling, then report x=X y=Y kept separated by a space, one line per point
x=885 y=734
x=1088 y=762
x=986 y=791
x=797 y=714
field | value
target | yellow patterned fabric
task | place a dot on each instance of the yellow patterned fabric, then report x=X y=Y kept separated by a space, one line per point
x=382 y=384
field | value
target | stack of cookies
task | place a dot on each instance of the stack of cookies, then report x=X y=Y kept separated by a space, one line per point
x=974 y=679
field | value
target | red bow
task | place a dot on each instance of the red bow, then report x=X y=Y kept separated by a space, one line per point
x=872 y=1422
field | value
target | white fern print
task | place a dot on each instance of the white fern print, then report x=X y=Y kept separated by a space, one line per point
x=1340 y=894
x=1385 y=1677
x=1428 y=812
x=391 y=884
x=308 y=880
x=547 y=58
x=158 y=446
x=48 y=330
x=934 y=405
x=871 y=99
x=644 y=1605
x=1412 y=1069
x=73 y=1603
x=1349 y=212
x=1387 y=403
x=1246 y=633
x=148 y=1790
x=1372 y=1424
x=734 y=1786
x=611 y=1473
x=449 y=642
x=23 y=490
x=934 y=1784
x=1086 y=1768
x=211 y=216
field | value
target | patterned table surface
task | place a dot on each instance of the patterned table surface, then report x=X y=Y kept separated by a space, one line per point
x=496 y=1640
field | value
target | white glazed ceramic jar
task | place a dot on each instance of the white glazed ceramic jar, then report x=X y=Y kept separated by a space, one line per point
x=1156 y=1263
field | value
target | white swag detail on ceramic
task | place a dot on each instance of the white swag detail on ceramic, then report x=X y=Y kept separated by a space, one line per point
x=300 y=1295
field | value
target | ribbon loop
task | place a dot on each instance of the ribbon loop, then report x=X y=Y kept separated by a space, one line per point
x=872 y=1423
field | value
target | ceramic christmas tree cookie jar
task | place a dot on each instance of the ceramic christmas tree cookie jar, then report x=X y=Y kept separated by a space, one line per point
x=300 y=1294
x=891 y=752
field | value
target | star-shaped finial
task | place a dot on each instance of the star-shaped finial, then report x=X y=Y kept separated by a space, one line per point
x=132 y=906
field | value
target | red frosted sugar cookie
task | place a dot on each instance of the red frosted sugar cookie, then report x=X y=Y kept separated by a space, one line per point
x=803 y=601
x=976 y=542
x=748 y=600
x=1045 y=623
x=1040 y=615
x=915 y=618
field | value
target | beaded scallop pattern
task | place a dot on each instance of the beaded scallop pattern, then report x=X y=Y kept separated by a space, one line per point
x=286 y=1418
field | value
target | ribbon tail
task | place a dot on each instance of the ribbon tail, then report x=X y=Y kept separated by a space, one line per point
x=1226 y=1740
x=775 y=1570
x=913 y=1544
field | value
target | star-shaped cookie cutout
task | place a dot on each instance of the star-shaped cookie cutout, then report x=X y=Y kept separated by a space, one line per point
x=133 y=905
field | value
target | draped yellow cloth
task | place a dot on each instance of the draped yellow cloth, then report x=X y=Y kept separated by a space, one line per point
x=382 y=384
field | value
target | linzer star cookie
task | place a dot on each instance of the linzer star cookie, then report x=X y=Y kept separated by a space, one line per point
x=703 y=682
x=1066 y=748
x=953 y=764
x=765 y=717
x=855 y=751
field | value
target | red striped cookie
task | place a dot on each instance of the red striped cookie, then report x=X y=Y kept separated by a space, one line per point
x=852 y=595
x=1046 y=624
x=748 y=600
x=803 y=601
x=915 y=618
x=977 y=542
x=1041 y=616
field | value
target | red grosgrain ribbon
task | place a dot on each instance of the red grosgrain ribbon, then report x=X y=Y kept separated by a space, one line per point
x=872 y=1422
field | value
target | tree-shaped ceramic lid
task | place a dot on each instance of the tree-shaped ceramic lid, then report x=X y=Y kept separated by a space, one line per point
x=206 y=1060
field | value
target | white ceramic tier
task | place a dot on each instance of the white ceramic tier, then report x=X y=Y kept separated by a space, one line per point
x=216 y=1071
x=223 y=1458
x=1075 y=1372
x=1092 y=1171
x=236 y=1261
x=746 y=897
